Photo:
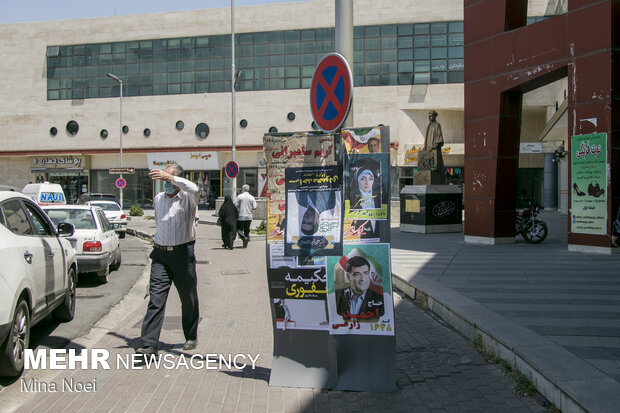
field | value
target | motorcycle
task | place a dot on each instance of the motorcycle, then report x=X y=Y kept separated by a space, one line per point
x=533 y=230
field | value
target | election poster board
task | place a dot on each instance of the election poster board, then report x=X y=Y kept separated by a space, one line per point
x=317 y=224
x=589 y=184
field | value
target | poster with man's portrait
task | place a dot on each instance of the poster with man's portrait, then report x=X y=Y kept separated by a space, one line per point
x=365 y=140
x=366 y=178
x=359 y=291
x=313 y=211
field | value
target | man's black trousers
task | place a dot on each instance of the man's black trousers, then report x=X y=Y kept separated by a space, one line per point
x=243 y=228
x=167 y=267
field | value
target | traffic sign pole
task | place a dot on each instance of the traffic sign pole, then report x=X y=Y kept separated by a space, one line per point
x=344 y=42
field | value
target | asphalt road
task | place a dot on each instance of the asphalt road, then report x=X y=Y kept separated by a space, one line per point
x=94 y=301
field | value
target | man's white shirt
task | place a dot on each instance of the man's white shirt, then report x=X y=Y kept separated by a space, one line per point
x=174 y=216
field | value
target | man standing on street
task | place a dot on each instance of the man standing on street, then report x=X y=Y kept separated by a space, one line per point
x=173 y=259
x=245 y=203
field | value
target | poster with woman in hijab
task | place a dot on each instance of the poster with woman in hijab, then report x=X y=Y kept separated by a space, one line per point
x=366 y=186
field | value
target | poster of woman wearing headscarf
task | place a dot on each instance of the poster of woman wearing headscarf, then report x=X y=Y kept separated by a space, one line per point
x=366 y=186
x=359 y=291
x=313 y=211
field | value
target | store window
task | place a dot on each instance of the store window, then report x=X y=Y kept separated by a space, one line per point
x=139 y=188
x=73 y=184
x=208 y=187
x=405 y=178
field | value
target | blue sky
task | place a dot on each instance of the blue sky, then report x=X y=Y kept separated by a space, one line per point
x=16 y=11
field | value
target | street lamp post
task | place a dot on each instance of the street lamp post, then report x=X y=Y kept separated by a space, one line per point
x=232 y=91
x=120 y=129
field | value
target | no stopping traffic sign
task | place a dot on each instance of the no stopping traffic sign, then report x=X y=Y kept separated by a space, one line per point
x=331 y=92
x=232 y=169
x=120 y=183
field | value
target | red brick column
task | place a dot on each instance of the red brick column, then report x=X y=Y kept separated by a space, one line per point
x=504 y=59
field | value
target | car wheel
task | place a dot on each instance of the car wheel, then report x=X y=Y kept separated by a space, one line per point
x=121 y=235
x=66 y=310
x=117 y=262
x=104 y=275
x=12 y=351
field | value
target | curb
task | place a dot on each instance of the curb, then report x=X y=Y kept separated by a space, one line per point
x=551 y=368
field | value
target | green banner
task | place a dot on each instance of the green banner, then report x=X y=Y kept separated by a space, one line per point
x=589 y=184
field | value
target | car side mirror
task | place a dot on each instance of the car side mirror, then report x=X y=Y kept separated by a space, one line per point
x=65 y=229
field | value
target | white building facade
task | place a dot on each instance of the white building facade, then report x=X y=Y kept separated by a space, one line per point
x=60 y=112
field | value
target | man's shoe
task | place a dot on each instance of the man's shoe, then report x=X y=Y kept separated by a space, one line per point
x=147 y=351
x=190 y=344
x=245 y=242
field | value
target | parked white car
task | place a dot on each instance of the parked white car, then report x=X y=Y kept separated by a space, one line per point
x=37 y=275
x=45 y=193
x=114 y=213
x=94 y=240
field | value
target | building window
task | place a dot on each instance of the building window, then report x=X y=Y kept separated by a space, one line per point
x=72 y=127
x=384 y=55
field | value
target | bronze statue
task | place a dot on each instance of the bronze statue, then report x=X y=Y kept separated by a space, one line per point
x=430 y=159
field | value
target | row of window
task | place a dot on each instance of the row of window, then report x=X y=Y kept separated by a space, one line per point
x=383 y=55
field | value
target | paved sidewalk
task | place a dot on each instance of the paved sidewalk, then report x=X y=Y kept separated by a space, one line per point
x=438 y=370
x=552 y=312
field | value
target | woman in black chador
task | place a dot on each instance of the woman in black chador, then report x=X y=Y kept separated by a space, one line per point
x=228 y=214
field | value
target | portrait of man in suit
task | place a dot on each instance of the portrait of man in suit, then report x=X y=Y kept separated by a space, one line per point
x=359 y=298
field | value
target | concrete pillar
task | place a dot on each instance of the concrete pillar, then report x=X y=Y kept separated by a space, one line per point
x=550 y=197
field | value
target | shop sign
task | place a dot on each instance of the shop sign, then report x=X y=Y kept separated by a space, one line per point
x=530 y=147
x=589 y=169
x=411 y=154
x=57 y=162
x=190 y=161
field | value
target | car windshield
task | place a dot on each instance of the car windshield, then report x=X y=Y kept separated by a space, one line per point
x=80 y=218
x=107 y=206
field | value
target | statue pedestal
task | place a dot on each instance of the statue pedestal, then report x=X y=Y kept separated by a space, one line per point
x=430 y=209
x=429 y=178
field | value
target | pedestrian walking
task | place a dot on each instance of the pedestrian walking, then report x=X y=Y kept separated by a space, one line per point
x=228 y=215
x=245 y=204
x=173 y=259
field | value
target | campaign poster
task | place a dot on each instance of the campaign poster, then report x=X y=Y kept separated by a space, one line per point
x=275 y=227
x=362 y=231
x=296 y=314
x=300 y=283
x=313 y=211
x=366 y=178
x=277 y=258
x=364 y=140
x=359 y=291
x=589 y=184
x=304 y=148
x=299 y=296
